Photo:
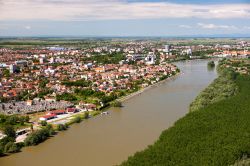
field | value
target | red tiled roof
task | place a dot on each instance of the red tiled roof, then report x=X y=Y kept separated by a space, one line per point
x=57 y=112
x=49 y=116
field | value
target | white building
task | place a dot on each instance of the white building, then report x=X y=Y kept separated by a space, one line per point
x=150 y=59
x=13 y=68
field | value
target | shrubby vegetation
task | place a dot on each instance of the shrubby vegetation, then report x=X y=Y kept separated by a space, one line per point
x=217 y=134
x=8 y=125
x=78 y=83
x=116 y=104
x=39 y=136
x=78 y=118
x=62 y=127
x=7 y=144
x=211 y=64
x=221 y=88
x=244 y=161
x=66 y=97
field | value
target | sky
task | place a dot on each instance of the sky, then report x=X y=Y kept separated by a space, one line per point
x=79 y=18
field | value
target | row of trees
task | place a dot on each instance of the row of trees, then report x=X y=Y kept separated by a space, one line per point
x=13 y=120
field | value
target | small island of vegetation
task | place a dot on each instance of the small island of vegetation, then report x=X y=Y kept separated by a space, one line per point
x=211 y=64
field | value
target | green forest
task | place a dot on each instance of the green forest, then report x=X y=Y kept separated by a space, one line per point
x=216 y=134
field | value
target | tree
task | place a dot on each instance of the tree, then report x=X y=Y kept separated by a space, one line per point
x=31 y=127
x=9 y=131
x=12 y=119
x=77 y=119
x=11 y=147
x=27 y=119
x=43 y=123
x=86 y=115
x=1 y=150
x=61 y=127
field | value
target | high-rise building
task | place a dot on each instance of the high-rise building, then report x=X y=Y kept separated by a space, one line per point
x=167 y=48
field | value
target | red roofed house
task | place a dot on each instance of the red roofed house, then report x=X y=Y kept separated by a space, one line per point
x=72 y=110
x=47 y=117
x=57 y=112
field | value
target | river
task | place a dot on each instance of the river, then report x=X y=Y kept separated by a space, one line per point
x=109 y=139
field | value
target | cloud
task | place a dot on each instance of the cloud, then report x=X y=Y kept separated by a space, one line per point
x=247 y=27
x=79 y=10
x=213 y=26
x=185 y=26
x=27 y=27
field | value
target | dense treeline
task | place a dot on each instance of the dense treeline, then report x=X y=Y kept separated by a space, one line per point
x=14 y=120
x=218 y=134
x=221 y=88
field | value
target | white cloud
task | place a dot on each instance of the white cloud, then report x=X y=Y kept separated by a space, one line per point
x=213 y=26
x=27 y=27
x=114 y=9
x=185 y=26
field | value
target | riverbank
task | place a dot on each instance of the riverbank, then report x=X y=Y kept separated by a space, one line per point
x=125 y=98
x=217 y=134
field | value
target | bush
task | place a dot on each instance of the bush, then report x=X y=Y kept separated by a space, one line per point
x=77 y=119
x=116 y=104
x=39 y=136
x=1 y=151
x=9 y=131
x=11 y=147
x=211 y=64
x=61 y=127
x=43 y=123
x=86 y=115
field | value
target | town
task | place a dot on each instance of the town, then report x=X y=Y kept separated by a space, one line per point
x=62 y=84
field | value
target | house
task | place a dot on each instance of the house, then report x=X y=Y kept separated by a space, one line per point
x=57 y=112
x=90 y=107
x=50 y=99
x=29 y=102
x=47 y=117
x=72 y=110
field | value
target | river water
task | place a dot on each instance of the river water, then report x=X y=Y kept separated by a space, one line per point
x=109 y=139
